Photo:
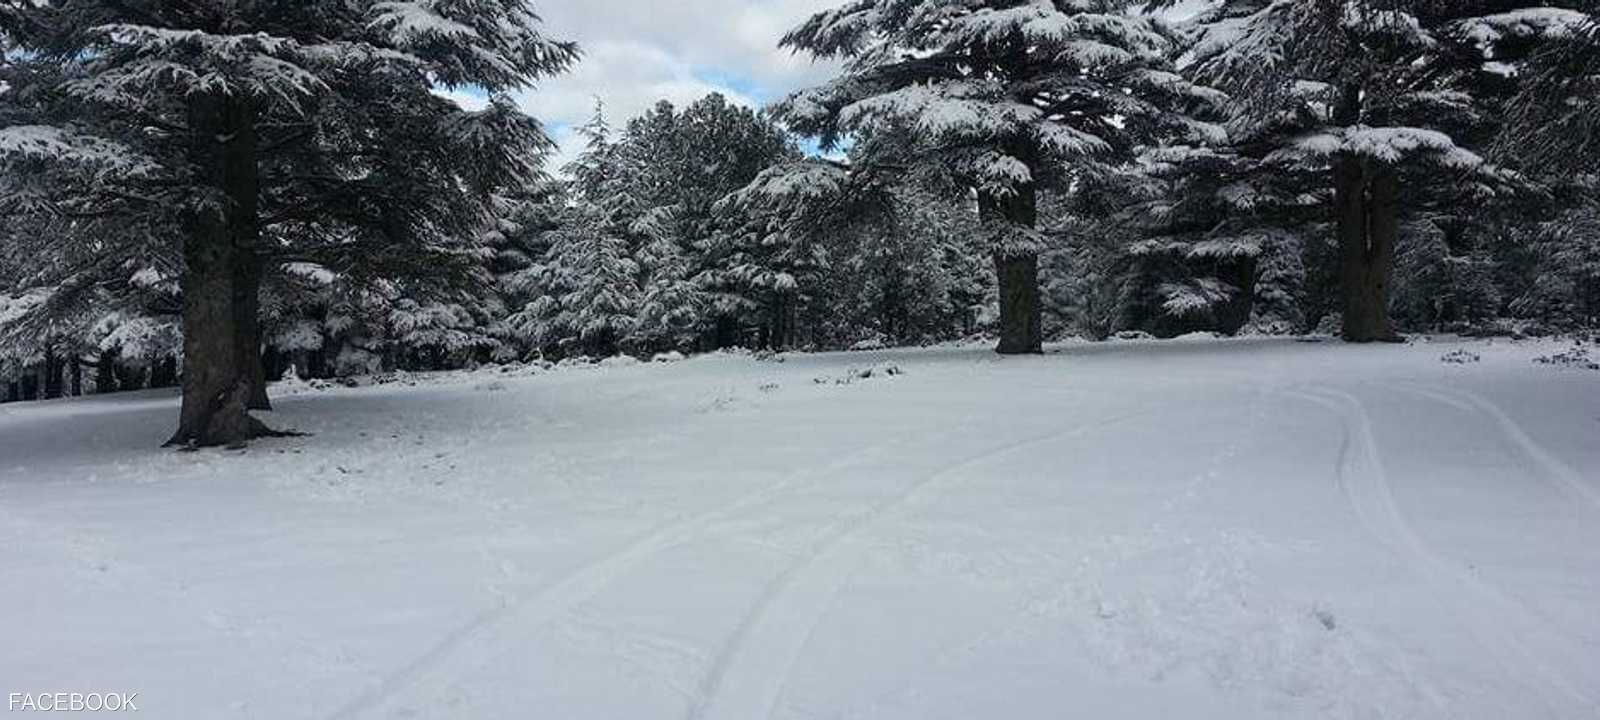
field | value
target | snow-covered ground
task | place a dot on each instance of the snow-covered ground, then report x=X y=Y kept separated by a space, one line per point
x=1240 y=529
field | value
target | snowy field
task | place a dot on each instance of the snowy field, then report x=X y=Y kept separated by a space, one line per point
x=1238 y=529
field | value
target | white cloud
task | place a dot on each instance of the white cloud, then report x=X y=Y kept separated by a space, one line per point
x=637 y=52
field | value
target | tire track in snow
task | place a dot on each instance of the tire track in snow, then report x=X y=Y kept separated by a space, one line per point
x=580 y=584
x=1492 y=617
x=1152 y=523
x=1567 y=480
x=751 y=671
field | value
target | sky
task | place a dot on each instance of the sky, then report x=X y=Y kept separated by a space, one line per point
x=636 y=52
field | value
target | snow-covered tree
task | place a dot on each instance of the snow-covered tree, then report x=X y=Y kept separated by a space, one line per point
x=1211 y=239
x=604 y=176
x=591 y=291
x=683 y=163
x=909 y=269
x=1563 y=277
x=246 y=133
x=588 y=280
x=517 y=246
x=1008 y=95
x=671 y=304
x=768 y=256
x=1388 y=98
x=1554 y=122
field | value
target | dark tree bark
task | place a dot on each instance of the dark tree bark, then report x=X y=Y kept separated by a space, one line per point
x=1367 y=208
x=727 y=334
x=1235 y=315
x=75 y=375
x=780 y=326
x=1021 y=308
x=216 y=389
x=272 y=364
x=52 y=374
x=1367 y=197
x=248 y=269
x=130 y=377
x=163 y=372
x=893 y=315
x=105 y=373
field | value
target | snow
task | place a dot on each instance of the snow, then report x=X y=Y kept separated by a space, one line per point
x=1385 y=144
x=955 y=108
x=1490 y=30
x=1199 y=529
x=313 y=273
x=1195 y=297
x=419 y=21
x=49 y=143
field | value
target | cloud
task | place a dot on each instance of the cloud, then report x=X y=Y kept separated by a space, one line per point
x=637 y=52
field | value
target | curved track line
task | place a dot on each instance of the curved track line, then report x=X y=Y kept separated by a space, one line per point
x=1569 y=481
x=752 y=670
x=578 y=585
x=1493 y=618
x=1185 y=494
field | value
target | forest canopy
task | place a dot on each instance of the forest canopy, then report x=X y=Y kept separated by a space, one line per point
x=214 y=194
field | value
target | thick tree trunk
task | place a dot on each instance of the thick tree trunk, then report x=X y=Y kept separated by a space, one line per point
x=216 y=389
x=1367 y=206
x=75 y=375
x=248 y=269
x=1021 y=309
x=1367 y=196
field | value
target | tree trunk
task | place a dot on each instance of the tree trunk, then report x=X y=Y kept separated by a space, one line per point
x=105 y=373
x=1367 y=205
x=163 y=371
x=728 y=333
x=52 y=374
x=1234 y=315
x=1367 y=196
x=248 y=269
x=1021 y=309
x=216 y=389
x=780 y=328
x=75 y=374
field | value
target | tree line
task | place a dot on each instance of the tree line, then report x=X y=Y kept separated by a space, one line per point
x=209 y=193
